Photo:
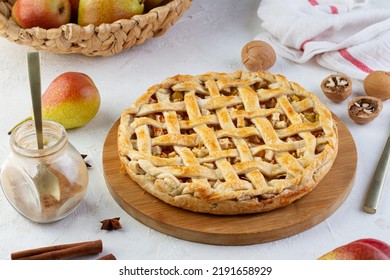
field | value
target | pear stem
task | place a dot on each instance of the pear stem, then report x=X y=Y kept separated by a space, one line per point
x=18 y=124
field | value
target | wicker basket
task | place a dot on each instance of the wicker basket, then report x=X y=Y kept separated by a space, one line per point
x=102 y=40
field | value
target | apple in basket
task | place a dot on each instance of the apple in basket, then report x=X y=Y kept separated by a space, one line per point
x=150 y=4
x=102 y=11
x=74 y=4
x=41 y=13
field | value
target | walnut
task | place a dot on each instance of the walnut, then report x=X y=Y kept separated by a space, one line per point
x=337 y=87
x=377 y=84
x=364 y=109
x=258 y=55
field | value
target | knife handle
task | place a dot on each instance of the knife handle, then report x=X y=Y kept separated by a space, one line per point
x=377 y=181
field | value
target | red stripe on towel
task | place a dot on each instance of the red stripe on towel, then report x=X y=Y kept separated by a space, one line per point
x=334 y=10
x=360 y=65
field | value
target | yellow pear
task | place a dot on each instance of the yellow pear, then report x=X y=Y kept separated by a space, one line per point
x=72 y=99
x=102 y=11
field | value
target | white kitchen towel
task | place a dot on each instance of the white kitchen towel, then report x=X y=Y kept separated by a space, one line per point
x=345 y=36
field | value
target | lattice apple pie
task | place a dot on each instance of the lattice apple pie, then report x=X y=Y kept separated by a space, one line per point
x=227 y=143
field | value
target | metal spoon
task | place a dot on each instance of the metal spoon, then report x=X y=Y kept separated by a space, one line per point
x=47 y=182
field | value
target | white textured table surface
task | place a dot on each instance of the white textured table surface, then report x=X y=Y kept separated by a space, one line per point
x=209 y=37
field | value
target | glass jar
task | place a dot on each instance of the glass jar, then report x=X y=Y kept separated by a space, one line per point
x=46 y=184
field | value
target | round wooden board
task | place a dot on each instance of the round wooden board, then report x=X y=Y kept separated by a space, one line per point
x=299 y=216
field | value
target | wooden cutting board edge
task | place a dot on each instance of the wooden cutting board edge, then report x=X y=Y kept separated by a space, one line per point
x=231 y=230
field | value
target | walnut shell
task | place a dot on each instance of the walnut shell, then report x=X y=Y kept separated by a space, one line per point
x=377 y=84
x=363 y=109
x=258 y=55
x=337 y=87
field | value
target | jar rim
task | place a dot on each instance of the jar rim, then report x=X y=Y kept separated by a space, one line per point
x=51 y=128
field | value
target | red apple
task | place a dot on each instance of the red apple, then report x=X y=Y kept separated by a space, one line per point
x=362 y=249
x=72 y=99
x=380 y=245
x=41 y=13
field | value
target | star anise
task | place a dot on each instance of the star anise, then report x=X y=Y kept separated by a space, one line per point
x=111 y=224
x=86 y=163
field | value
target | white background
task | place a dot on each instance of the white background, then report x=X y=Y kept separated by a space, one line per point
x=209 y=37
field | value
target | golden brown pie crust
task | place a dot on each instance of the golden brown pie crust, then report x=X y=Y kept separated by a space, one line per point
x=227 y=143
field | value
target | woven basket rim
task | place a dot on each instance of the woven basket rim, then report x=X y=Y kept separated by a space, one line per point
x=135 y=17
x=154 y=23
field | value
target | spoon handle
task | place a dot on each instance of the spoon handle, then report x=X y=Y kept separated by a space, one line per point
x=378 y=180
x=34 y=73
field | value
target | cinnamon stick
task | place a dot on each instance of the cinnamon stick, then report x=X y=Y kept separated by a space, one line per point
x=107 y=257
x=60 y=252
